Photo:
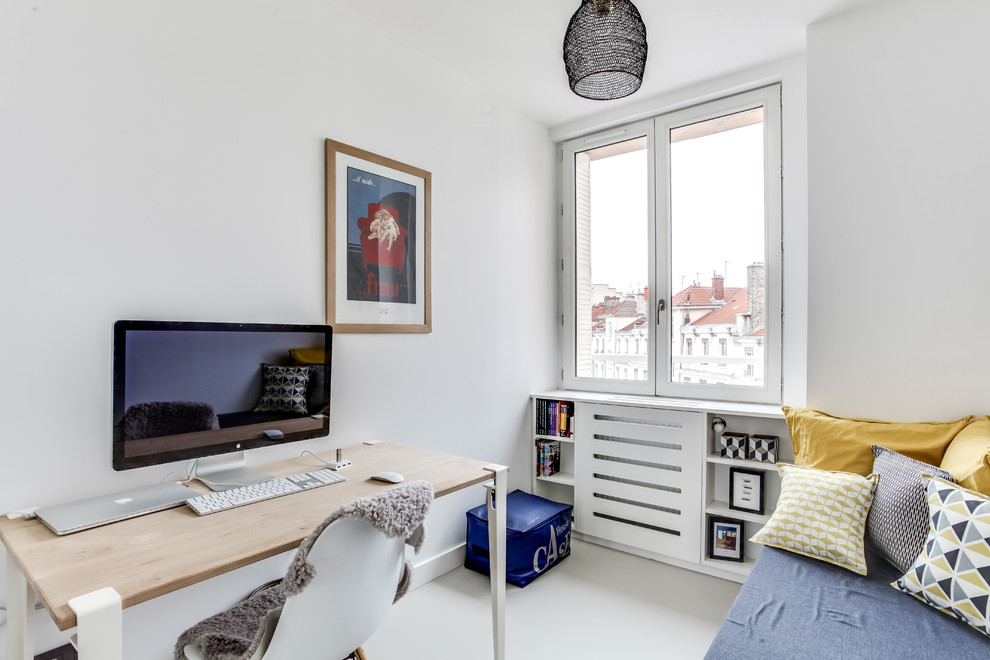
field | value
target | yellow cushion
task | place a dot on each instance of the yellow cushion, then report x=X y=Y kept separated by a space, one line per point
x=307 y=355
x=968 y=456
x=821 y=515
x=835 y=443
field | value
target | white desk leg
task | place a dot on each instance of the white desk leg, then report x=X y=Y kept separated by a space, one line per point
x=20 y=614
x=496 y=555
x=99 y=620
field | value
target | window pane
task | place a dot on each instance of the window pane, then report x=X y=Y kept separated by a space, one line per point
x=611 y=200
x=717 y=233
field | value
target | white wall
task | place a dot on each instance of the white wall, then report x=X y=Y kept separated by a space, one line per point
x=165 y=160
x=898 y=164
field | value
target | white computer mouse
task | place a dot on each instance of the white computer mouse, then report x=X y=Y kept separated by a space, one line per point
x=390 y=477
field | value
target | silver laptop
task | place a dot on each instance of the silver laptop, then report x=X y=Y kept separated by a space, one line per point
x=102 y=509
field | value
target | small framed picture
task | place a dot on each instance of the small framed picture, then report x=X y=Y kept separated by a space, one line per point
x=726 y=538
x=746 y=490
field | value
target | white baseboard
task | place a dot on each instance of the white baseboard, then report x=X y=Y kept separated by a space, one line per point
x=707 y=569
x=432 y=568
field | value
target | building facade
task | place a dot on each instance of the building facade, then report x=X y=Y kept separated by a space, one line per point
x=717 y=333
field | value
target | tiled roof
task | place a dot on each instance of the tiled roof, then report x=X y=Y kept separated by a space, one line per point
x=726 y=314
x=697 y=296
x=625 y=308
x=638 y=323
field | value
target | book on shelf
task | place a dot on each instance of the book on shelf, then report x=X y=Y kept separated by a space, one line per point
x=547 y=458
x=554 y=418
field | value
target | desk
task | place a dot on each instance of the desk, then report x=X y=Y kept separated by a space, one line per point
x=85 y=579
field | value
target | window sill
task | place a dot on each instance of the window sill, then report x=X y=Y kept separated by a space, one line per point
x=667 y=403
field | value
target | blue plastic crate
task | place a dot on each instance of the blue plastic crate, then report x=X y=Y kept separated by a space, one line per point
x=537 y=537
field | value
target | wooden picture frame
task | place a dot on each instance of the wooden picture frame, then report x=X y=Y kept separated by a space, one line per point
x=378 y=243
x=746 y=490
x=726 y=539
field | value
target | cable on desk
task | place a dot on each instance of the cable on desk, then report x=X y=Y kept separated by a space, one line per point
x=306 y=451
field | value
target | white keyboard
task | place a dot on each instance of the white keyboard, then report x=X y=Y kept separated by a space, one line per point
x=266 y=490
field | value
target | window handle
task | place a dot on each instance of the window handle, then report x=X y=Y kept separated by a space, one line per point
x=661 y=305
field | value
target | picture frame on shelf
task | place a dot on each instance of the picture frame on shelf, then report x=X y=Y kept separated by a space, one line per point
x=746 y=490
x=378 y=243
x=726 y=539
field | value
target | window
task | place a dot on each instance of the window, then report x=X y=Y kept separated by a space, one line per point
x=671 y=230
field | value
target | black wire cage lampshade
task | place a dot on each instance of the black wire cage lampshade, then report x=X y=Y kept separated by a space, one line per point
x=605 y=49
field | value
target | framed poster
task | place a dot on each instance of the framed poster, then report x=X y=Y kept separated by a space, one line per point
x=746 y=490
x=725 y=538
x=378 y=243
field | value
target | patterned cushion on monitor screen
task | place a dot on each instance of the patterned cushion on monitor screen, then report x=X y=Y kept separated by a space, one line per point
x=952 y=573
x=898 y=522
x=284 y=389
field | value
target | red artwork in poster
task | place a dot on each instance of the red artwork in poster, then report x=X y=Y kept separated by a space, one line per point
x=383 y=238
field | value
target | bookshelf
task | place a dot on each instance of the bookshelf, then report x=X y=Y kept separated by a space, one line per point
x=717 y=475
x=553 y=448
x=646 y=476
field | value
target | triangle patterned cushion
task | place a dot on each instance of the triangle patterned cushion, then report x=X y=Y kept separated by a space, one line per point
x=284 y=389
x=821 y=515
x=952 y=573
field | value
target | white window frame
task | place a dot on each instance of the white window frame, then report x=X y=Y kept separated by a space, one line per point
x=570 y=316
x=657 y=131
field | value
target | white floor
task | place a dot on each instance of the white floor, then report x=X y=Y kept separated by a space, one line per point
x=598 y=603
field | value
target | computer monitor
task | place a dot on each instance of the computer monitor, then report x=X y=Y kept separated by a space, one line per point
x=210 y=391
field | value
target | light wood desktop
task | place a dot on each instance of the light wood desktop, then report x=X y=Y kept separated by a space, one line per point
x=146 y=557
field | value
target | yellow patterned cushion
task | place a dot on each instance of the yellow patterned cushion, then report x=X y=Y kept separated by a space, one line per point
x=952 y=573
x=821 y=515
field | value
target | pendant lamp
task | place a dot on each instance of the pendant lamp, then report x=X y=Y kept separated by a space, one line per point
x=605 y=49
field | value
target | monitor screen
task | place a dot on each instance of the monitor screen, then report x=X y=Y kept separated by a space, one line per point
x=184 y=390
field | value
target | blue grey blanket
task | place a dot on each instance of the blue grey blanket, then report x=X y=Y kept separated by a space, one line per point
x=795 y=608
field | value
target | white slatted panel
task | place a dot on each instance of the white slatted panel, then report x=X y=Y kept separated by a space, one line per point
x=638 y=476
x=582 y=283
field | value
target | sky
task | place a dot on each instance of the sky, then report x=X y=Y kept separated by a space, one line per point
x=716 y=211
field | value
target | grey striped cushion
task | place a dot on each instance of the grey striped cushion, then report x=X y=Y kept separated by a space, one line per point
x=898 y=522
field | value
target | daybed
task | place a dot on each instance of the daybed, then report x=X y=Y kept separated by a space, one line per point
x=879 y=546
x=796 y=608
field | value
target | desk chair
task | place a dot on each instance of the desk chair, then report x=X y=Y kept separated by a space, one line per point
x=341 y=583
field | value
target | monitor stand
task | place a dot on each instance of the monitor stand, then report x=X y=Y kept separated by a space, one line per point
x=227 y=471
